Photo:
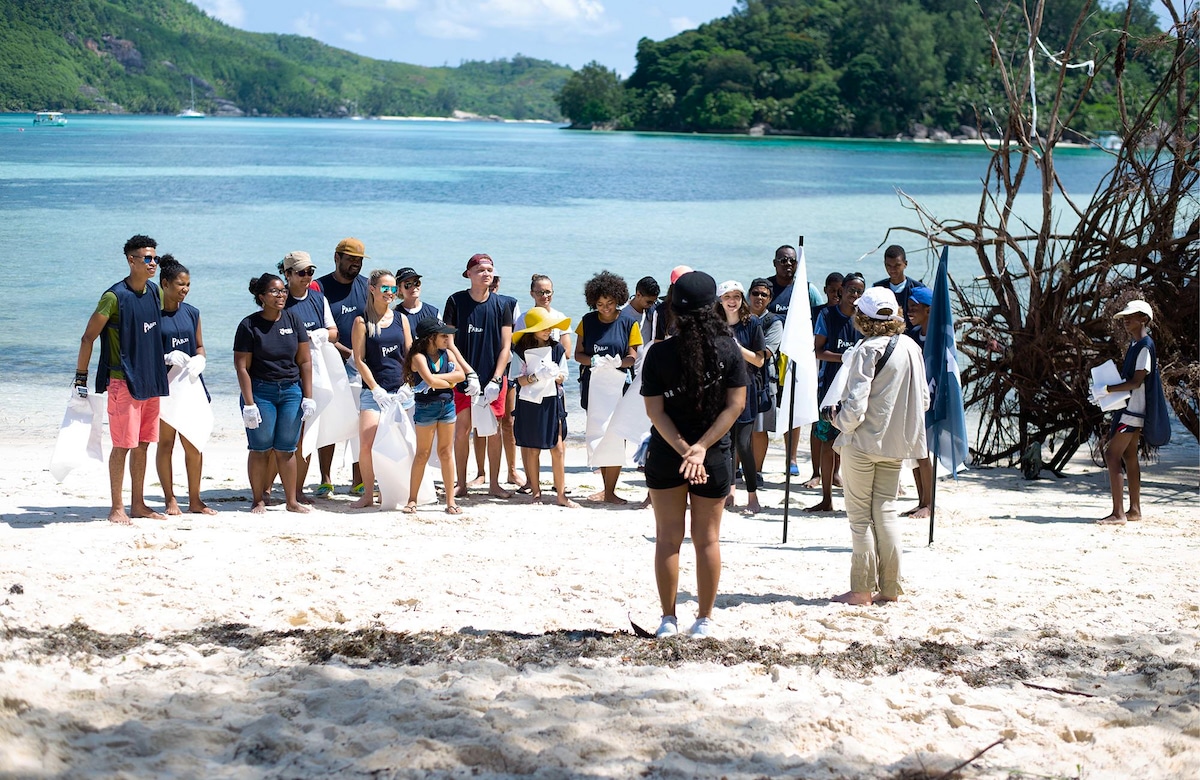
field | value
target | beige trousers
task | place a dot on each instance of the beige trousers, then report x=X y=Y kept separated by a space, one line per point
x=870 y=484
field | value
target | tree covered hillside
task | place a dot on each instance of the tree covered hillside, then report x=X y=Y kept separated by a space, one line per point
x=842 y=67
x=143 y=56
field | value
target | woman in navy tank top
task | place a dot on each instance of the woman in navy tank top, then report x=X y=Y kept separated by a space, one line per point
x=183 y=346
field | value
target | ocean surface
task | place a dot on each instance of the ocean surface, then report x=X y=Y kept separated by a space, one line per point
x=230 y=197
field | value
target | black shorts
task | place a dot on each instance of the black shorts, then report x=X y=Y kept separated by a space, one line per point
x=663 y=462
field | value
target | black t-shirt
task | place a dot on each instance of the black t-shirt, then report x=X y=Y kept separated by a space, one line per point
x=272 y=345
x=479 y=338
x=661 y=376
x=310 y=309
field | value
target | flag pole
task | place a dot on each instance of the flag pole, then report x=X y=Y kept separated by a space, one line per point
x=787 y=437
x=933 y=490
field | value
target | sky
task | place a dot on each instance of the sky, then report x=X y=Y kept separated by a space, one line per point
x=446 y=32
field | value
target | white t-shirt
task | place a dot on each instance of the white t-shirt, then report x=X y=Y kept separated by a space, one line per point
x=1137 y=396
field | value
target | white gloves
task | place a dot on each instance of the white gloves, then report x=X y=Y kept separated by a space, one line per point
x=473 y=388
x=250 y=416
x=308 y=407
x=381 y=396
x=317 y=337
x=555 y=334
x=545 y=371
x=176 y=358
x=405 y=396
x=196 y=364
x=607 y=361
x=491 y=392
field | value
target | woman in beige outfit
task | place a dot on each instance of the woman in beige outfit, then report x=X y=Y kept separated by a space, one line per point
x=882 y=422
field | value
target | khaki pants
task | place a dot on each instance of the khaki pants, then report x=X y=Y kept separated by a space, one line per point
x=870 y=484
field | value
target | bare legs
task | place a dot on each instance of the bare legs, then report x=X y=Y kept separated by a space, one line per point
x=923 y=475
x=259 y=468
x=1122 y=450
x=193 y=461
x=509 y=441
x=609 y=474
x=670 y=510
x=137 y=478
x=368 y=424
x=827 y=468
x=462 y=453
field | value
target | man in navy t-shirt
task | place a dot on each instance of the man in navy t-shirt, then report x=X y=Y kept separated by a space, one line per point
x=895 y=262
x=346 y=292
x=484 y=338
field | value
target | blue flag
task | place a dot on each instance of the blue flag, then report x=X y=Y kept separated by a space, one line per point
x=946 y=421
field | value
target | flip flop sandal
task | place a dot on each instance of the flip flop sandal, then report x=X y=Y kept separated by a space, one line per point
x=525 y=490
x=358 y=490
x=324 y=490
x=454 y=509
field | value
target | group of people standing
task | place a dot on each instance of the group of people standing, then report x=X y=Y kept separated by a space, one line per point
x=704 y=360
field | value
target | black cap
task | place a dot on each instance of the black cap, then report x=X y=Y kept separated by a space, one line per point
x=406 y=273
x=693 y=291
x=432 y=326
x=760 y=282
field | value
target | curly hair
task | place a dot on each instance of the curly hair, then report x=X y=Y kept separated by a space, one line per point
x=139 y=242
x=169 y=268
x=699 y=333
x=605 y=284
x=258 y=286
x=871 y=327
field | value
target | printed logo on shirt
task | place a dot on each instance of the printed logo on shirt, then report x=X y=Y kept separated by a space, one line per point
x=472 y=329
x=286 y=331
x=148 y=326
x=385 y=350
x=348 y=309
x=179 y=342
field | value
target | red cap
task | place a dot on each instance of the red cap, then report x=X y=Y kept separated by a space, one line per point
x=477 y=259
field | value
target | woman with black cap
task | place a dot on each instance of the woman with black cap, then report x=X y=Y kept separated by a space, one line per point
x=694 y=386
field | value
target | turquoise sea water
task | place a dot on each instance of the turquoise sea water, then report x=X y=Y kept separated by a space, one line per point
x=229 y=197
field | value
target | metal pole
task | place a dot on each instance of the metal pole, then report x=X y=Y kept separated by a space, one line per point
x=933 y=490
x=787 y=437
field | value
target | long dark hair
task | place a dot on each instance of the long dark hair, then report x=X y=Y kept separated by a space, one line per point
x=698 y=335
x=526 y=341
x=420 y=346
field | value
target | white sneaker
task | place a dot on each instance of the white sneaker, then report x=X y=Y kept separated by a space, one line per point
x=703 y=628
x=668 y=627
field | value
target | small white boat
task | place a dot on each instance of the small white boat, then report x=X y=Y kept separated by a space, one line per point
x=191 y=112
x=1108 y=141
x=49 y=119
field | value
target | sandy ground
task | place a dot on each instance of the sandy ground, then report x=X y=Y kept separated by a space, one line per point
x=497 y=643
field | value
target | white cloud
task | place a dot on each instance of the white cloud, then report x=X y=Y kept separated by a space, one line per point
x=380 y=5
x=457 y=18
x=229 y=11
x=308 y=25
x=354 y=36
x=681 y=23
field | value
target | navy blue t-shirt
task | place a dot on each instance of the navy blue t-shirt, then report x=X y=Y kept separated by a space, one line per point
x=840 y=334
x=310 y=309
x=479 y=337
x=179 y=329
x=384 y=355
x=272 y=345
x=781 y=298
x=427 y=311
x=346 y=302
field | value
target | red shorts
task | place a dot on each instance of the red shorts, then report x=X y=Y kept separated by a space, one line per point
x=130 y=421
x=462 y=401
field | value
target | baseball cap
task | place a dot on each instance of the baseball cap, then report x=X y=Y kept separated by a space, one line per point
x=730 y=286
x=693 y=291
x=761 y=282
x=679 y=271
x=1136 y=306
x=477 y=259
x=921 y=295
x=431 y=326
x=406 y=273
x=351 y=246
x=879 y=303
x=297 y=261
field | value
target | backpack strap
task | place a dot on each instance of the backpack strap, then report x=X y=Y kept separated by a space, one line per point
x=887 y=353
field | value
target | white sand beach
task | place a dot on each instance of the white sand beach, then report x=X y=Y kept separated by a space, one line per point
x=496 y=643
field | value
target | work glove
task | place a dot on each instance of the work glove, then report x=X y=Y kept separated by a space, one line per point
x=545 y=371
x=317 y=337
x=80 y=384
x=381 y=396
x=405 y=396
x=250 y=416
x=473 y=388
x=196 y=364
x=176 y=358
x=491 y=392
x=308 y=407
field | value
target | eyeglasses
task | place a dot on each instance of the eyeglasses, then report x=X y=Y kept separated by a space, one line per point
x=543 y=293
x=388 y=288
x=277 y=291
x=760 y=295
x=148 y=259
x=786 y=260
x=306 y=272
x=412 y=285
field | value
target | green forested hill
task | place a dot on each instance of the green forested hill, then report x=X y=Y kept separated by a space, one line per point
x=846 y=67
x=141 y=56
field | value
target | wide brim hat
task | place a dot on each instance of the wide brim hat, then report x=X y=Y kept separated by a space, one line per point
x=538 y=319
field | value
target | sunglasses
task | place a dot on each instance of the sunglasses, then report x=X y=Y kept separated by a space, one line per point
x=760 y=295
x=388 y=288
x=543 y=293
x=148 y=259
x=306 y=272
x=412 y=285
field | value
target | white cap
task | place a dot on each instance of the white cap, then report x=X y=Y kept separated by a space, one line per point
x=730 y=286
x=879 y=303
x=1136 y=306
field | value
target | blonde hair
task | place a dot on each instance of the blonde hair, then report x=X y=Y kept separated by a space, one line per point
x=871 y=327
x=369 y=316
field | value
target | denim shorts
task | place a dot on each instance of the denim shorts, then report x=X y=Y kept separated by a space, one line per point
x=366 y=401
x=279 y=405
x=434 y=412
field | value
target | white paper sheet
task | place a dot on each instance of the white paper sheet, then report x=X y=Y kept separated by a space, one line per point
x=1104 y=374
